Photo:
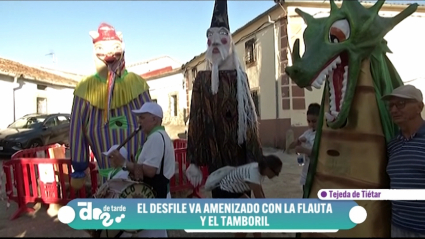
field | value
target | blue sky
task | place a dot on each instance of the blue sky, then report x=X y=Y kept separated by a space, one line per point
x=31 y=29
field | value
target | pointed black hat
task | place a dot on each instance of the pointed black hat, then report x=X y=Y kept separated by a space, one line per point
x=220 y=18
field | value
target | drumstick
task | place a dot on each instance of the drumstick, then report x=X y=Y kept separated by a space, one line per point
x=129 y=137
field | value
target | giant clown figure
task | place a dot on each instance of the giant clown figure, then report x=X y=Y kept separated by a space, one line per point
x=103 y=103
x=346 y=52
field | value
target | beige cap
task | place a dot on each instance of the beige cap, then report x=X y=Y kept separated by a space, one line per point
x=405 y=92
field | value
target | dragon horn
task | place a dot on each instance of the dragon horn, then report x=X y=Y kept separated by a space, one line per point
x=296 y=51
x=334 y=7
x=377 y=6
x=307 y=17
x=402 y=15
x=351 y=4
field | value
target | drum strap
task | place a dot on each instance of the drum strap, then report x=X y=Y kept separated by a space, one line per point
x=161 y=171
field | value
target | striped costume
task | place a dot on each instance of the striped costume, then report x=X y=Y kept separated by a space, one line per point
x=103 y=103
x=89 y=128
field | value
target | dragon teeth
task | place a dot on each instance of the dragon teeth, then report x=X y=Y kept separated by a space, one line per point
x=329 y=117
x=344 y=86
x=333 y=114
x=318 y=82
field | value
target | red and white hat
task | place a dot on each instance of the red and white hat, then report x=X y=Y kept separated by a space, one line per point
x=106 y=32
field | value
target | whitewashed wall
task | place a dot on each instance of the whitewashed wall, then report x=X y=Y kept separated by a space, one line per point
x=162 y=89
x=59 y=99
x=154 y=64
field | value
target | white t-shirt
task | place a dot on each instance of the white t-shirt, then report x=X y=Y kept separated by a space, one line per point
x=153 y=150
x=310 y=135
x=237 y=180
x=151 y=155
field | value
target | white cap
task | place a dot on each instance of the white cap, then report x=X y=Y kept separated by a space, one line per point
x=150 y=107
x=123 y=151
x=405 y=92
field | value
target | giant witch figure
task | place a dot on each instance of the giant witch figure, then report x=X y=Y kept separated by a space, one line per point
x=347 y=52
x=223 y=122
x=103 y=103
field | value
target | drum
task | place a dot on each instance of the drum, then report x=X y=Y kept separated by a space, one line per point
x=121 y=188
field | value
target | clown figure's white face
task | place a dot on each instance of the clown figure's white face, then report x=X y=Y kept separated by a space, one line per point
x=108 y=51
x=219 y=45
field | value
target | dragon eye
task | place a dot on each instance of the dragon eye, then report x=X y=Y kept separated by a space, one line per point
x=340 y=31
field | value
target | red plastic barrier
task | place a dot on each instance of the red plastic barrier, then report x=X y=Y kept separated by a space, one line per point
x=32 y=152
x=180 y=144
x=24 y=183
x=42 y=151
x=32 y=186
x=181 y=183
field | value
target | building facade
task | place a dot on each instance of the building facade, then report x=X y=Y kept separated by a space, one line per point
x=264 y=46
x=168 y=89
x=27 y=90
x=153 y=65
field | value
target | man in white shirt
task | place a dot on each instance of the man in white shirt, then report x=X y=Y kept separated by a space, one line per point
x=155 y=161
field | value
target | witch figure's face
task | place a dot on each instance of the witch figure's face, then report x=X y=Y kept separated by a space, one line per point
x=219 y=42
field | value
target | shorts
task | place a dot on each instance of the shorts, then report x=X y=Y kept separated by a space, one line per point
x=219 y=193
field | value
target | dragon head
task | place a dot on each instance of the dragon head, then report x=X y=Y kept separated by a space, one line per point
x=335 y=47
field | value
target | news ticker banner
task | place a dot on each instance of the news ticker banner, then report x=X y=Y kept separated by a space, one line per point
x=213 y=215
x=371 y=194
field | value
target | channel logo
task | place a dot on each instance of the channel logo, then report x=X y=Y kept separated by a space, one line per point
x=67 y=214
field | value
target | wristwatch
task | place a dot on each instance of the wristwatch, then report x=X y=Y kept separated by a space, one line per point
x=124 y=166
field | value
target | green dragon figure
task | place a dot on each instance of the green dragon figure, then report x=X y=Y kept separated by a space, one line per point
x=347 y=51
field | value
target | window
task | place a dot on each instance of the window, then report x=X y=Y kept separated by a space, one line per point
x=41 y=87
x=250 y=55
x=174 y=105
x=63 y=120
x=51 y=122
x=194 y=73
x=41 y=105
x=255 y=98
x=155 y=100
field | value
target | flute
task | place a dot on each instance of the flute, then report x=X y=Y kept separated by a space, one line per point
x=129 y=137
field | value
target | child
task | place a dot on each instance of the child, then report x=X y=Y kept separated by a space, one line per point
x=304 y=144
x=239 y=182
x=115 y=173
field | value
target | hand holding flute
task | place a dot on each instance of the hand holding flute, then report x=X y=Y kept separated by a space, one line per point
x=116 y=159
